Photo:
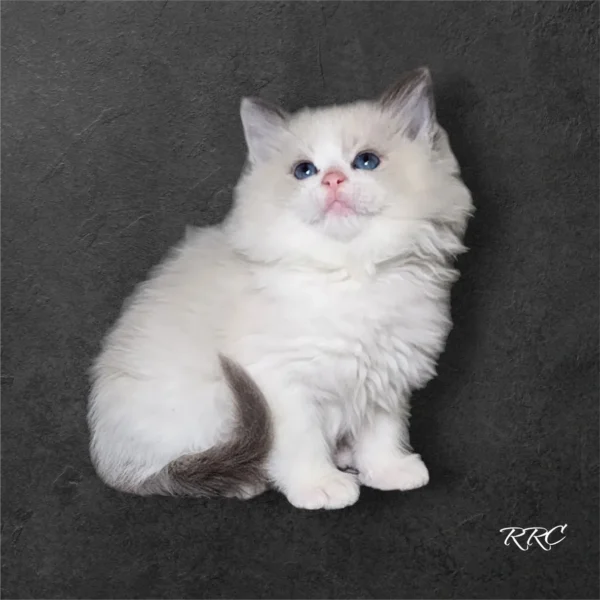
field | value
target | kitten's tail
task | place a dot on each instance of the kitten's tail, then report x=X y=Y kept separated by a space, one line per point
x=235 y=468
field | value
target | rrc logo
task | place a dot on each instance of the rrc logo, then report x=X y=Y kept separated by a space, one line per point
x=524 y=538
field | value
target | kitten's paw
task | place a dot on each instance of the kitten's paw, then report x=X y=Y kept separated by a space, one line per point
x=399 y=473
x=332 y=490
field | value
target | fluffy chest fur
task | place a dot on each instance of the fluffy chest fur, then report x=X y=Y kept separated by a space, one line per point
x=353 y=341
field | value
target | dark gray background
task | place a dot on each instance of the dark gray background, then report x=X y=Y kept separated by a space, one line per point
x=120 y=126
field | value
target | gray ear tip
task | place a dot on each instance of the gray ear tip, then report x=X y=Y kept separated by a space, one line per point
x=423 y=74
x=415 y=83
x=254 y=105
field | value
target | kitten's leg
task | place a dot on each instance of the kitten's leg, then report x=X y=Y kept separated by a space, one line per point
x=301 y=463
x=383 y=455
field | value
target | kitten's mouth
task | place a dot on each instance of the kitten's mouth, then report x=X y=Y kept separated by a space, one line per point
x=342 y=208
x=339 y=206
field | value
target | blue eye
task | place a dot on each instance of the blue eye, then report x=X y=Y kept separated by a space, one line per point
x=366 y=160
x=304 y=170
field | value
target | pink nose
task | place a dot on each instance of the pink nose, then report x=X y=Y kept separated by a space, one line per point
x=333 y=178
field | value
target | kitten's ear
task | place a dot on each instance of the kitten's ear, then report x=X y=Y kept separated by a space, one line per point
x=411 y=101
x=263 y=124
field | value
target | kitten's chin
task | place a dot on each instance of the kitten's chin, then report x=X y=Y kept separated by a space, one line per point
x=343 y=226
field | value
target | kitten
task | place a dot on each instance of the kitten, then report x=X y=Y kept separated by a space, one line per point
x=285 y=343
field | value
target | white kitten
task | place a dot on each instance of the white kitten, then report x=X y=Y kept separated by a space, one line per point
x=327 y=288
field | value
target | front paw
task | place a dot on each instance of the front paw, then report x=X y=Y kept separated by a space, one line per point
x=398 y=473
x=331 y=490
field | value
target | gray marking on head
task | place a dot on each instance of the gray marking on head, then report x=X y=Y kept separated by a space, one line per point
x=412 y=102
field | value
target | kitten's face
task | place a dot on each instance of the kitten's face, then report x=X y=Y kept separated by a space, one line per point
x=337 y=168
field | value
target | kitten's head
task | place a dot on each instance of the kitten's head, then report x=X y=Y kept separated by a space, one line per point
x=337 y=170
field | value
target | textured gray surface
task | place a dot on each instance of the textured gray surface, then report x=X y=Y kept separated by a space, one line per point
x=120 y=126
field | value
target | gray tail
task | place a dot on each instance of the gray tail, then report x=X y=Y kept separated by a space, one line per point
x=235 y=468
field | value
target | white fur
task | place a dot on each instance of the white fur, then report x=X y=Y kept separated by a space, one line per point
x=337 y=318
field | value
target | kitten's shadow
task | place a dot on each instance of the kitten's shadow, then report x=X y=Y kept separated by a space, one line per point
x=456 y=100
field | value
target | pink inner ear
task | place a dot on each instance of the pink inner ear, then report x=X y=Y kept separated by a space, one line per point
x=412 y=102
